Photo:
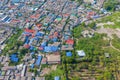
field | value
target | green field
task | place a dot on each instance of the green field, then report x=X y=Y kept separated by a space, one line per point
x=115 y=18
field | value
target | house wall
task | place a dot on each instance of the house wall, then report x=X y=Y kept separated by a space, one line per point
x=53 y=62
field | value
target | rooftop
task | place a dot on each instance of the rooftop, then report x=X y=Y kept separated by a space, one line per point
x=53 y=57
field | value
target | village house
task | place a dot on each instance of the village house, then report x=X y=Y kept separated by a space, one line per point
x=53 y=58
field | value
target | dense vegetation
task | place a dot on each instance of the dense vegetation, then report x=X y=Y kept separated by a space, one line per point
x=110 y=5
x=115 y=42
x=114 y=18
x=93 y=45
x=60 y=71
x=77 y=30
x=94 y=64
x=12 y=41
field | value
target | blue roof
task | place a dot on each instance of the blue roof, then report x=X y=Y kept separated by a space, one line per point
x=0 y=73
x=36 y=38
x=38 y=60
x=39 y=34
x=54 y=48
x=32 y=66
x=45 y=24
x=43 y=15
x=50 y=48
x=31 y=41
x=47 y=49
x=5 y=1
x=26 y=33
x=43 y=44
x=26 y=40
x=55 y=39
x=46 y=37
x=7 y=19
x=20 y=6
x=19 y=14
x=56 y=78
x=59 y=17
x=66 y=37
x=97 y=16
x=13 y=55
x=15 y=1
x=32 y=53
x=14 y=58
x=69 y=54
x=49 y=28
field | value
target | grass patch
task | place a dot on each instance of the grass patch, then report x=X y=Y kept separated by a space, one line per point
x=115 y=17
x=58 y=72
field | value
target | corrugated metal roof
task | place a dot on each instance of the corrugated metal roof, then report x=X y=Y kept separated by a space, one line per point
x=38 y=60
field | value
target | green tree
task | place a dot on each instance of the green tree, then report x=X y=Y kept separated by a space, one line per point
x=110 y=5
x=92 y=25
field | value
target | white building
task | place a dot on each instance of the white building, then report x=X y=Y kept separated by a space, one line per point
x=24 y=70
x=81 y=53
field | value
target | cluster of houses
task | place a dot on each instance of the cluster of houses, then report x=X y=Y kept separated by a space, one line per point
x=21 y=72
x=18 y=72
x=47 y=28
x=19 y=13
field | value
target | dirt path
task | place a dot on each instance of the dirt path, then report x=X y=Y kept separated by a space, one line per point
x=114 y=47
x=109 y=32
x=54 y=67
x=102 y=24
x=118 y=76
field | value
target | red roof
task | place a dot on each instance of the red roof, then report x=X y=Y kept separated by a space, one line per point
x=27 y=20
x=35 y=16
x=88 y=17
x=66 y=14
x=40 y=48
x=38 y=25
x=17 y=74
x=91 y=13
x=32 y=16
x=29 y=30
x=15 y=20
x=33 y=35
x=50 y=36
x=33 y=2
x=55 y=33
x=44 y=60
x=27 y=46
x=70 y=41
x=13 y=6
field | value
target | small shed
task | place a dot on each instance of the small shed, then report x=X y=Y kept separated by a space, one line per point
x=81 y=53
x=68 y=54
x=56 y=78
x=107 y=55
x=32 y=66
x=70 y=41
